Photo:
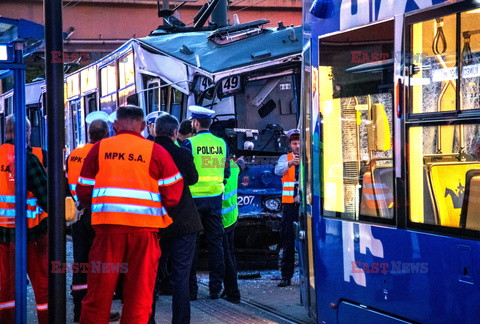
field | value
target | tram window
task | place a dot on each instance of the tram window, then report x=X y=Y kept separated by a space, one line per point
x=91 y=103
x=439 y=158
x=470 y=60
x=152 y=97
x=108 y=78
x=126 y=71
x=355 y=76
x=177 y=102
x=435 y=85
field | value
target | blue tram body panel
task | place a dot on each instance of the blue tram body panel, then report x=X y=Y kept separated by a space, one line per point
x=399 y=272
x=368 y=272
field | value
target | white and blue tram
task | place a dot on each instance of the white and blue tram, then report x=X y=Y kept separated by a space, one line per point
x=253 y=88
x=390 y=217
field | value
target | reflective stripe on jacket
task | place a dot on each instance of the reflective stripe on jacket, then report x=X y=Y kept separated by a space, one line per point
x=124 y=192
x=209 y=155
x=229 y=203
x=288 y=183
x=7 y=192
x=74 y=166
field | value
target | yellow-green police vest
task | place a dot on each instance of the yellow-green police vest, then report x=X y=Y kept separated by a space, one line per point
x=209 y=155
x=229 y=203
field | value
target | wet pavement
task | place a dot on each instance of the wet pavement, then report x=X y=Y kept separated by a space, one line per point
x=262 y=301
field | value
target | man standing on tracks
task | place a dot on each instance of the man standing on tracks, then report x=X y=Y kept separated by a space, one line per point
x=210 y=158
x=128 y=181
x=229 y=219
x=179 y=239
x=37 y=245
x=82 y=231
x=287 y=167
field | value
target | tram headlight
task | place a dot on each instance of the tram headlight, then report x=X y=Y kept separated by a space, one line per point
x=272 y=204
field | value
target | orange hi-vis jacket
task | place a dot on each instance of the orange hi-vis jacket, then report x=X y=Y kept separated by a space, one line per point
x=7 y=192
x=74 y=166
x=288 y=183
x=124 y=192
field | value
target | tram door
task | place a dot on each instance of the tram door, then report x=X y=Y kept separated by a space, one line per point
x=89 y=105
x=78 y=122
x=305 y=231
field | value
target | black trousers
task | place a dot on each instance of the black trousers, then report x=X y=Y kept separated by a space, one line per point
x=290 y=215
x=210 y=209
x=82 y=237
x=179 y=254
x=230 y=283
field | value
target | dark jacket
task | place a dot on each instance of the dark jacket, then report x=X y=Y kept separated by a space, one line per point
x=186 y=219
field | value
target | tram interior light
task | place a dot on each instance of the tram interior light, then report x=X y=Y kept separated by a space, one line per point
x=4 y=53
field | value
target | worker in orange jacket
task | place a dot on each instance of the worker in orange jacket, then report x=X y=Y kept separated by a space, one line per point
x=37 y=245
x=287 y=167
x=128 y=181
x=82 y=231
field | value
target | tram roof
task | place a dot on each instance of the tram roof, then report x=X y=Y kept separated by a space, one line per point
x=213 y=57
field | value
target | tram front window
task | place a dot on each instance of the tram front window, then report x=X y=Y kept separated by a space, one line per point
x=356 y=105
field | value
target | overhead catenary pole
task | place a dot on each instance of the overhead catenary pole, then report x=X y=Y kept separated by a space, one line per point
x=20 y=188
x=56 y=144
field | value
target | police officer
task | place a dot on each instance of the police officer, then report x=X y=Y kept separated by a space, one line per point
x=128 y=181
x=150 y=120
x=287 y=167
x=210 y=157
x=82 y=231
x=229 y=219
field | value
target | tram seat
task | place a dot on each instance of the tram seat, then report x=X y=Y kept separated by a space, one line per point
x=470 y=215
x=377 y=191
x=447 y=191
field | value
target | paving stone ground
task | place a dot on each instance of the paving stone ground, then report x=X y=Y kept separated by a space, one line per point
x=261 y=291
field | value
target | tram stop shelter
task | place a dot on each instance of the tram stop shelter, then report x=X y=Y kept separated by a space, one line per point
x=19 y=38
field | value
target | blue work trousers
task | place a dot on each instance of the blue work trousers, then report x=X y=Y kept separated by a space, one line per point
x=290 y=215
x=210 y=209
x=230 y=283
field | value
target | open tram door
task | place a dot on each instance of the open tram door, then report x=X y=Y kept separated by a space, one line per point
x=304 y=229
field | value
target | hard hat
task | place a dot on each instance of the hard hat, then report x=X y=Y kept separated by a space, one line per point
x=293 y=134
x=200 y=112
x=94 y=115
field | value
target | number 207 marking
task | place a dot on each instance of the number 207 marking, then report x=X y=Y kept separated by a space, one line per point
x=245 y=200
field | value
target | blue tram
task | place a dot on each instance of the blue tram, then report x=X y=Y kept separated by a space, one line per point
x=390 y=215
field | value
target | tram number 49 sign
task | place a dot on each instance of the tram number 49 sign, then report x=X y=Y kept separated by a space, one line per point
x=230 y=85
